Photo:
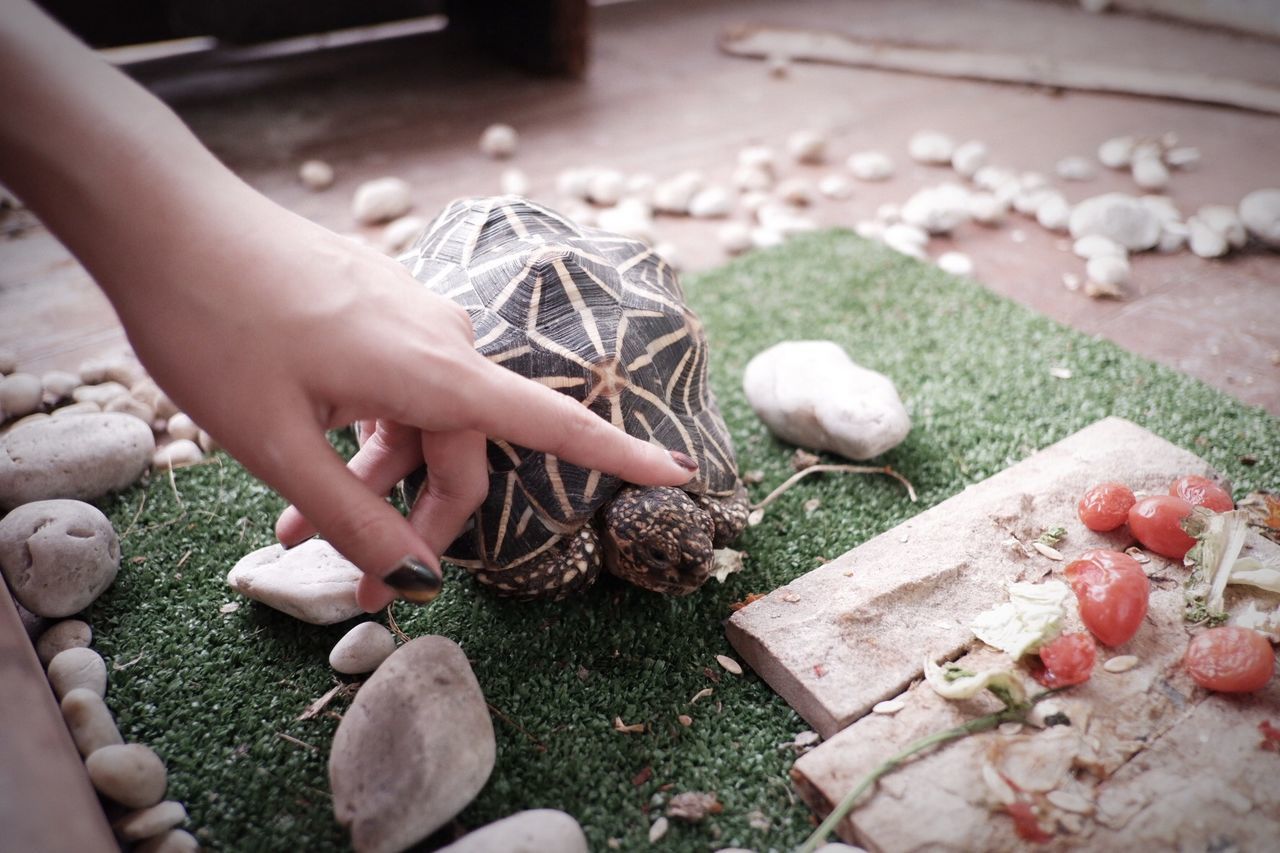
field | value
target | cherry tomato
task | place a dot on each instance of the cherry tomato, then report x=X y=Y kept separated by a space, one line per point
x=1068 y=659
x=1201 y=491
x=1105 y=506
x=1156 y=522
x=1112 y=591
x=1230 y=659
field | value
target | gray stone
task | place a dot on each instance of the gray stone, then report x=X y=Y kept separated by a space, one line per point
x=67 y=634
x=173 y=841
x=130 y=774
x=852 y=632
x=150 y=822
x=414 y=748
x=77 y=668
x=534 y=831
x=310 y=581
x=812 y=394
x=20 y=394
x=362 y=649
x=58 y=555
x=82 y=457
x=89 y=720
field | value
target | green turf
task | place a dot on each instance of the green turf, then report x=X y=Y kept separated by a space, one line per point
x=213 y=692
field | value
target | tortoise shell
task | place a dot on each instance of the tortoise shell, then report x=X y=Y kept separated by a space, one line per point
x=594 y=315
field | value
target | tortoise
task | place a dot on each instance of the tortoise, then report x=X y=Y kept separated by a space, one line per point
x=602 y=318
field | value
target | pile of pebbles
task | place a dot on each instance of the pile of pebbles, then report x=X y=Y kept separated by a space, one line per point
x=57 y=557
x=81 y=435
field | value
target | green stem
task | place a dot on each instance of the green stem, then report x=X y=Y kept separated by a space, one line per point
x=1010 y=713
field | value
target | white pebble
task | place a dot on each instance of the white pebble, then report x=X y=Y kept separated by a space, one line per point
x=100 y=394
x=870 y=166
x=89 y=721
x=955 y=263
x=1076 y=168
x=1108 y=270
x=85 y=408
x=807 y=146
x=931 y=147
x=316 y=175
x=1260 y=213
x=778 y=66
x=400 y=233
x=796 y=191
x=1173 y=236
x=1181 y=158
x=1117 y=152
x=1149 y=173
x=870 y=229
x=784 y=219
x=380 y=200
x=671 y=254
x=734 y=237
x=673 y=195
x=513 y=182
x=938 y=210
x=995 y=178
x=573 y=183
x=1226 y=222
x=968 y=158
x=640 y=185
x=889 y=706
x=1205 y=241
x=1054 y=213
x=131 y=774
x=751 y=179
x=77 y=667
x=889 y=213
x=1123 y=218
x=20 y=394
x=181 y=426
x=131 y=405
x=1120 y=663
x=59 y=384
x=606 y=187
x=177 y=454
x=630 y=219
x=362 y=649
x=150 y=822
x=1095 y=245
x=906 y=239
x=986 y=209
x=758 y=157
x=714 y=202
x=753 y=200
x=499 y=141
x=63 y=635
x=766 y=238
x=1027 y=201
x=836 y=187
x=1017 y=235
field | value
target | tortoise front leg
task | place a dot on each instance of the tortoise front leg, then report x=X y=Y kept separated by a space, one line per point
x=729 y=515
x=570 y=565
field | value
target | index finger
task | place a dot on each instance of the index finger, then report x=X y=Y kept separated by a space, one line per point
x=532 y=415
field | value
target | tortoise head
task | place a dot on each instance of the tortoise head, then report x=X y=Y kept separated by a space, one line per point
x=658 y=539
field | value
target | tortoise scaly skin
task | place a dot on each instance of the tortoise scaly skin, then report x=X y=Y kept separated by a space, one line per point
x=601 y=318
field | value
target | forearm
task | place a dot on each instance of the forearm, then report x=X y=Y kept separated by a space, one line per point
x=104 y=164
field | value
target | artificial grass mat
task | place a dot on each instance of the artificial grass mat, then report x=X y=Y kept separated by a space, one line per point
x=217 y=693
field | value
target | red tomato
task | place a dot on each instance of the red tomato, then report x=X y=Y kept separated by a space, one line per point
x=1201 y=491
x=1156 y=522
x=1105 y=506
x=1068 y=659
x=1230 y=659
x=1113 y=591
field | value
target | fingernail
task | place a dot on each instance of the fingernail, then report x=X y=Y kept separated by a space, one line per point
x=414 y=580
x=683 y=460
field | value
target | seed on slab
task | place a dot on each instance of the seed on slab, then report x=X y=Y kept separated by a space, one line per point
x=1117 y=152
x=659 y=829
x=889 y=706
x=1120 y=663
x=807 y=146
x=870 y=165
x=735 y=237
x=1076 y=168
x=316 y=175
x=1047 y=551
x=499 y=141
x=514 y=182
x=730 y=665
x=955 y=263
x=931 y=147
x=969 y=157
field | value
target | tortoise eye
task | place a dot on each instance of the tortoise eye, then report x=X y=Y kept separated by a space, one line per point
x=656 y=554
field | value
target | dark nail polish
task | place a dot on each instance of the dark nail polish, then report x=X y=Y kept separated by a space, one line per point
x=683 y=460
x=414 y=580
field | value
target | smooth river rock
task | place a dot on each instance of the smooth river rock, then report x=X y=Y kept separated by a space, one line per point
x=534 y=831
x=67 y=634
x=151 y=821
x=84 y=457
x=130 y=774
x=362 y=649
x=58 y=555
x=89 y=720
x=77 y=668
x=414 y=748
x=311 y=581
x=812 y=394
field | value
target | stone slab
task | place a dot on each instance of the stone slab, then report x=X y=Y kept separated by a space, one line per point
x=854 y=631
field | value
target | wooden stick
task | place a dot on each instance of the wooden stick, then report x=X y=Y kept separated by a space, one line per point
x=842 y=49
